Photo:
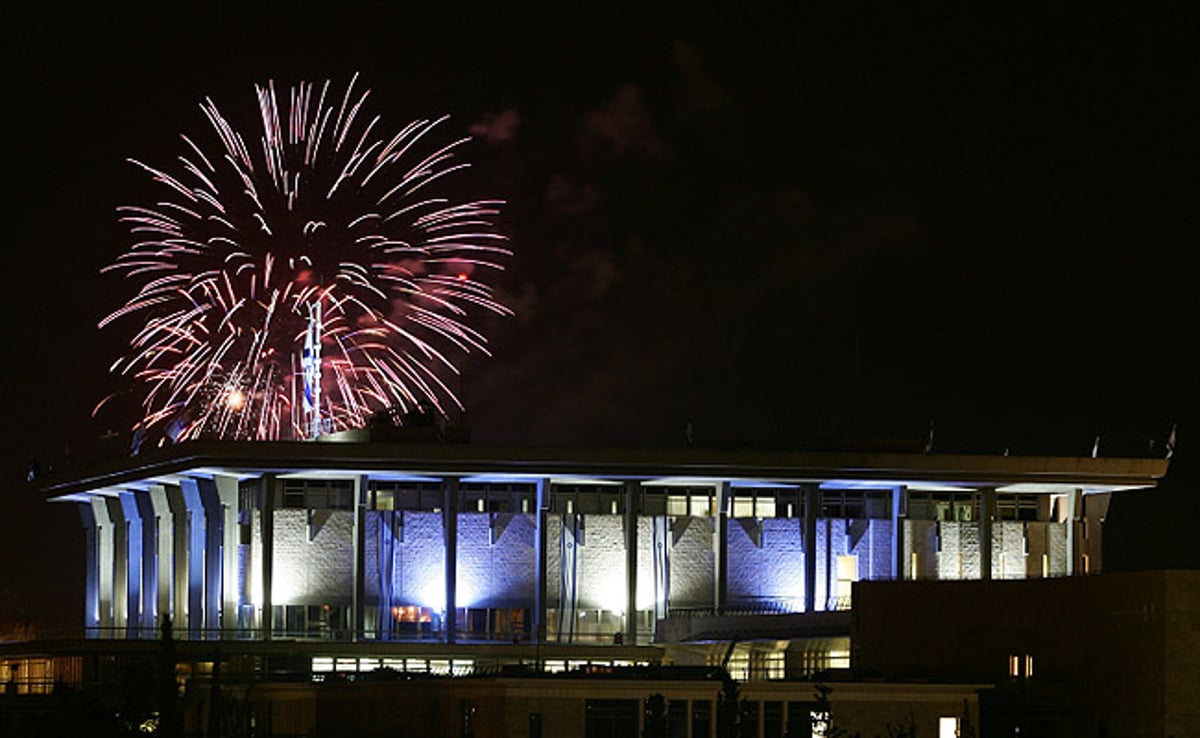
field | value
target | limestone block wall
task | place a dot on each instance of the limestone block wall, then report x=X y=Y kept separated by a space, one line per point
x=419 y=572
x=601 y=572
x=959 y=554
x=645 y=564
x=1017 y=549
x=499 y=574
x=1056 y=536
x=316 y=568
x=1008 y=550
x=868 y=540
x=766 y=561
x=692 y=562
x=600 y=564
x=600 y=561
x=554 y=527
x=1044 y=539
x=959 y=557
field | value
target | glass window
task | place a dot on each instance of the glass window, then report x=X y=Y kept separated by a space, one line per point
x=702 y=718
x=677 y=718
x=764 y=507
x=383 y=499
x=847 y=574
x=611 y=718
x=743 y=507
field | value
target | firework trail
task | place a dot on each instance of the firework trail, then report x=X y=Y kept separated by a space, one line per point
x=324 y=216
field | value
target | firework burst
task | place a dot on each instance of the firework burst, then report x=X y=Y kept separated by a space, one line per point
x=307 y=280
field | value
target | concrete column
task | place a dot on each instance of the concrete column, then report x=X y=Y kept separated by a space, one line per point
x=987 y=515
x=91 y=596
x=359 y=598
x=450 y=534
x=899 y=502
x=120 y=564
x=179 y=559
x=133 y=564
x=812 y=501
x=830 y=564
x=104 y=567
x=721 y=548
x=147 y=623
x=227 y=493
x=214 y=559
x=196 y=536
x=631 y=550
x=542 y=512
x=164 y=555
x=267 y=505
x=1073 y=505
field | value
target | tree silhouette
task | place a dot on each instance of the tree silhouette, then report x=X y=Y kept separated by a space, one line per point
x=654 y=717
x=729 y=714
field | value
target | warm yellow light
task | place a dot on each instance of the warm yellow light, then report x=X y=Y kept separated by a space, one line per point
x=235 y=400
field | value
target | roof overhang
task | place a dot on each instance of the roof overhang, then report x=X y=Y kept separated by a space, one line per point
x=659 y=467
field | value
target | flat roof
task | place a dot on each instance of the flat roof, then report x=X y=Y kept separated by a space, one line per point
x=659 y=467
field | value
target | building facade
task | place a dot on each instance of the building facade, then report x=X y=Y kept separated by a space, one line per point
x=378 y=542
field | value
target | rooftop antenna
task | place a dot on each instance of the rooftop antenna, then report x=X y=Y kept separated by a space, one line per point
x=310 y=361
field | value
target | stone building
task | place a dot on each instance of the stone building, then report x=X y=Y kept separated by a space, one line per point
x=354 y=557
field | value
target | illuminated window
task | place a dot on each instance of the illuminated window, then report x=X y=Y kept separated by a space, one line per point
x=847 y=574
x=947 y=727
x=913 y=568
x=743 y=507
x=764 y=507
x=945 y=506
x=416 y=666
x=1020 y=666
x=677 y=505
x=318 y=494
x=1087 y=564
x=1017 y=507
x=839 y=659
x=383 y=499
x=738 y=666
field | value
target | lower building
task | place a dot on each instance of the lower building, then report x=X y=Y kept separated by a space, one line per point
x=1110 y=655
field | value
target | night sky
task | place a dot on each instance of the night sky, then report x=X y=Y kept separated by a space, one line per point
x=801 y=230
